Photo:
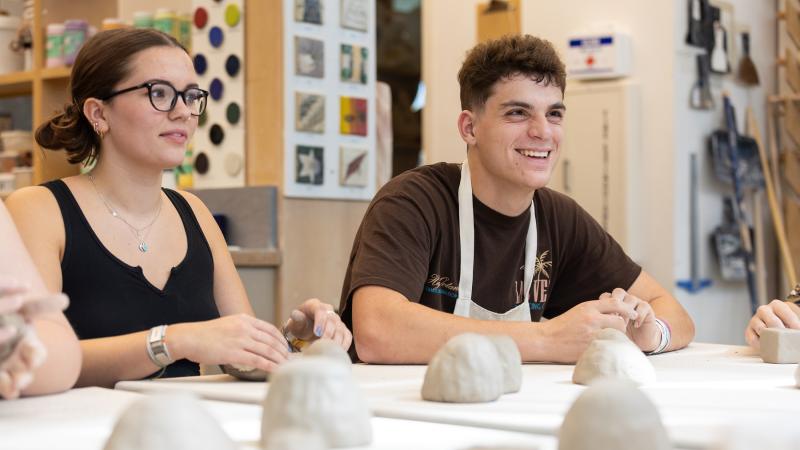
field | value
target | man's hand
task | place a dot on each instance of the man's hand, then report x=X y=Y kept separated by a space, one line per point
x=572 y=331
x=777 y=314
x=643 y=331
x=314 y=319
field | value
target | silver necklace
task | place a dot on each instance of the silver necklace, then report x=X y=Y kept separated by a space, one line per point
x=140 y=233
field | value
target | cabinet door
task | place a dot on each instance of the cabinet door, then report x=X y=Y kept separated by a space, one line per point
x=599 y=152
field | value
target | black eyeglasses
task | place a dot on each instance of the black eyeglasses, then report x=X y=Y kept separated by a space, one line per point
x=164 y=96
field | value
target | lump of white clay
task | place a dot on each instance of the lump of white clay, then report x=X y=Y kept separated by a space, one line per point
x=511 y=362
x=320 y=395
x=464 y=370
x=244 y=372
x=612 y=355
x=773 y=433
x=327 y=348
x=167 y=422
x=612 y=415
x=15 y=320
x=295 y=439
x=797 y=376
x=780 y=345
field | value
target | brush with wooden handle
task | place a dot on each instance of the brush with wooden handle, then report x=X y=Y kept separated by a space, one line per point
x=774 y=207
x=747 y=72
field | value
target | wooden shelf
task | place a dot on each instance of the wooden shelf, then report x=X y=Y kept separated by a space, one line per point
x=16 y=83
x=56 y=73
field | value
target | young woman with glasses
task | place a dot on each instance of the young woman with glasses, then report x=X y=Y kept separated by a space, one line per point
x=152 y=286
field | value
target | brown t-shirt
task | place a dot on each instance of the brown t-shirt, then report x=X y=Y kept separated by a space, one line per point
x=409 y=242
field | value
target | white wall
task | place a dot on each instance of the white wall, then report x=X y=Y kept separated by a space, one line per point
x=721 y=312
x=664 y=69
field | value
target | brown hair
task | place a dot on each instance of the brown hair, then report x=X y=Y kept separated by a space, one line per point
x=510 y=55
x=103 y=61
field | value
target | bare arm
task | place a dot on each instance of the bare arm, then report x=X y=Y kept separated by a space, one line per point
x=62 y=365
x=390 y=329
x=665 y=307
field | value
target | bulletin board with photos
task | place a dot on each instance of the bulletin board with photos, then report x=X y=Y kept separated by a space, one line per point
x=329 y=98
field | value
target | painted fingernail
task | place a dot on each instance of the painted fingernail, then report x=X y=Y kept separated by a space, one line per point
x=318 y=331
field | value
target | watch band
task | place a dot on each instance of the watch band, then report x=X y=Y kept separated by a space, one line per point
x=156 y=347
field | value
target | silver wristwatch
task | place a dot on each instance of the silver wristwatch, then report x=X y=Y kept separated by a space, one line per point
x=157 y=348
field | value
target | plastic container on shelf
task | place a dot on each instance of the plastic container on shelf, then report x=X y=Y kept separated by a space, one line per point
x=113 y=23
x=143 y=19
x=75 y=34
x=16 y=141
x=165 y=20
x=7 y=182
x=55 y=45
x=10 y=60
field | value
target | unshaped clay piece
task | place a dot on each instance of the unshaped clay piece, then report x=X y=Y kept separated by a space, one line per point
x=612 y=415
x=15 y=320
x=168 y=422
x=780 y=345
x=797 y=376
x=464 y=370
x=245 y=373
x=773 y=433
x=511 y=361
x=320 y=395
x=295 y=439
x=327 y=348
x=609 y=356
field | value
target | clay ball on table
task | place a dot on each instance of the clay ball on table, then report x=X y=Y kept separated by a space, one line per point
x=612 y=415
x=167 y=422
x=314 y=394
x=511 y=361
x=464 y=370
x=245 y=373
x=328 y=349
x=612 y=355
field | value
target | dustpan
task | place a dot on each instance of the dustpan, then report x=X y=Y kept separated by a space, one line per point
x=749 y=170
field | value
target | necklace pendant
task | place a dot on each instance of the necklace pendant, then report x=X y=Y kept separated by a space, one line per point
x=143 y=247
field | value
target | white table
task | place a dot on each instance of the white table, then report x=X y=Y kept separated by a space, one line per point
x=701 y=391
x=83 y=419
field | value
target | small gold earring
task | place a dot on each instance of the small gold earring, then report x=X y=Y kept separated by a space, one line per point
x=97 y=130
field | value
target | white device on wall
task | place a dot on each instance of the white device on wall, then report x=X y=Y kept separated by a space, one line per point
x=599 y=56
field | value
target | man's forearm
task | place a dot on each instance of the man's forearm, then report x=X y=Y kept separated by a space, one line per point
x=392 y=330
x=681 y=325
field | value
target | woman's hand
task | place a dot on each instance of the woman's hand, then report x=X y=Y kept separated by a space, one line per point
x=240 y=339
x=314 y=319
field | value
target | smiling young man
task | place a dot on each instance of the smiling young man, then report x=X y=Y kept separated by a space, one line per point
x=485 y=247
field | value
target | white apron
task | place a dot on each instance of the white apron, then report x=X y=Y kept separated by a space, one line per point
x=465 y=307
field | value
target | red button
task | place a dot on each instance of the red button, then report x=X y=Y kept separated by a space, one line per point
x=200 y=18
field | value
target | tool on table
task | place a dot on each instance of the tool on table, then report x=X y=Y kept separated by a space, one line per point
x=747 y=72
x=695 y=283
x=700 y=95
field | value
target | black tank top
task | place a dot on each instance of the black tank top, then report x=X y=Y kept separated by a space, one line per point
x=110 y=298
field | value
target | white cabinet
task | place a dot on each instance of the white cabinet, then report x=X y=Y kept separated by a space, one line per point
x=600 y=157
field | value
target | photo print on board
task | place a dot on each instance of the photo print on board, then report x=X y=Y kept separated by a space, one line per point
x=353 y=166
x=309 y=112
x=308 y=11
x=353 y=118
x=355 y=14
x=308 y=165
x=354 y=59
x=309 y=57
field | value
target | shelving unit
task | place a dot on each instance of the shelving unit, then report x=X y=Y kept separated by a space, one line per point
x=48 y=87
